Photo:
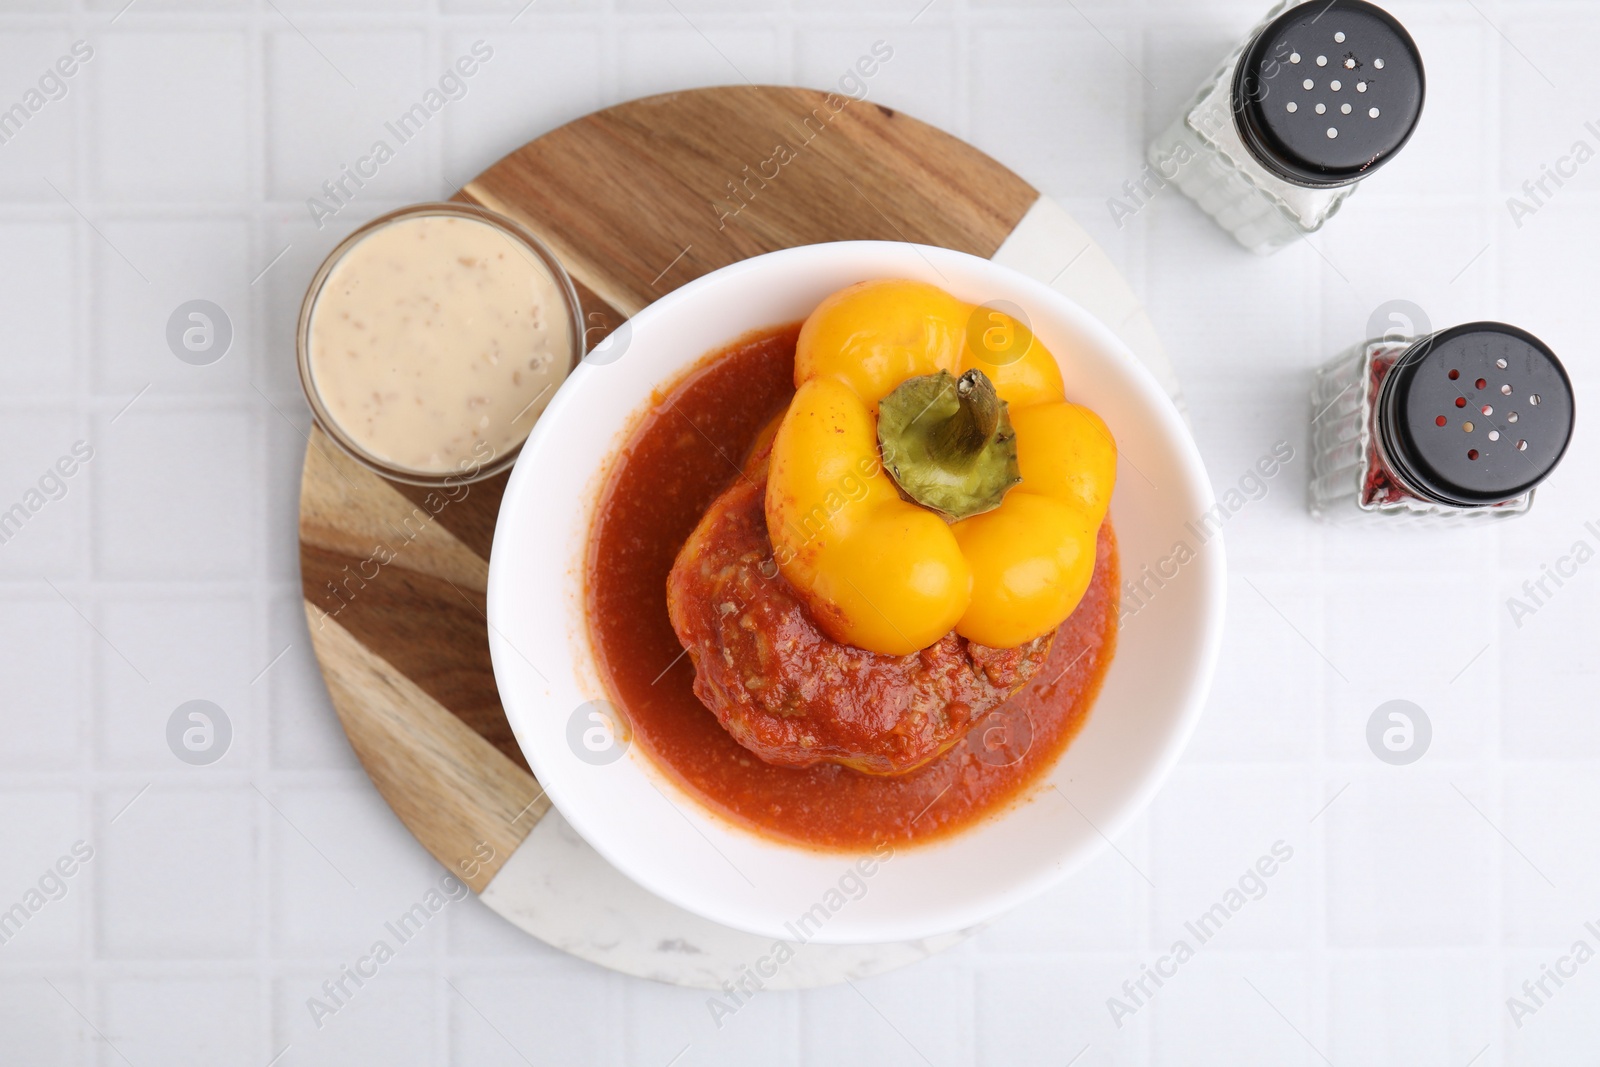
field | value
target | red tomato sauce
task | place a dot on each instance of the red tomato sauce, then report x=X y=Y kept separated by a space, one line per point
x=682 y=453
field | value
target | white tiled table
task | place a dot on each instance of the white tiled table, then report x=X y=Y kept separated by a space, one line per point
x=177 y=166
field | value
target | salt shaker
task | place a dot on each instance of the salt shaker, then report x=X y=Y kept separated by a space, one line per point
x=1452 y=427
x=1320 y=96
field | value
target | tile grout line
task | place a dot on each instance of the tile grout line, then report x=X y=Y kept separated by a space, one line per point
x=84 y=119
x=257 y=305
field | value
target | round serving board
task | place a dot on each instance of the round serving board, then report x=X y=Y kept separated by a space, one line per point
x=636 y=200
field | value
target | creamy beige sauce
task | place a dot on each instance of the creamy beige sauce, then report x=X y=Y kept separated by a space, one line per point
x=436 y=341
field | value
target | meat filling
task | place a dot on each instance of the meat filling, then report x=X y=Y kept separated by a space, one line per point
x=788 y=693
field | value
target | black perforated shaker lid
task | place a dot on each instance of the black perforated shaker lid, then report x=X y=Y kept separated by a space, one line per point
x=1349 y=59
x=1475 y=414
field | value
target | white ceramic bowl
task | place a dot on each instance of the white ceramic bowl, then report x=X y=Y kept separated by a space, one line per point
x=663 y=838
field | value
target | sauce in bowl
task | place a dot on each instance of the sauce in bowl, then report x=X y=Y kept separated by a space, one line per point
x=432 y=339
x=680 y=456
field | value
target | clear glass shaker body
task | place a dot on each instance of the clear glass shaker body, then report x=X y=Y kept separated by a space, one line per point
x=1203 y=154
x=1352 y=479
x=1319 y=95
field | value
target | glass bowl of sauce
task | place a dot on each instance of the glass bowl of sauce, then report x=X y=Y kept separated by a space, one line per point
x=431 y=339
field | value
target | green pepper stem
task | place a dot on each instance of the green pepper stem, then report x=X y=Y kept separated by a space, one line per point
x=948 y=443
x=961 y=439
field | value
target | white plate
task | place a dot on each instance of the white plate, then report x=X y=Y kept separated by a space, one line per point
x=661 y=837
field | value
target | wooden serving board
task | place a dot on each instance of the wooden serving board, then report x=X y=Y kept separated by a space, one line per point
x=636 y=200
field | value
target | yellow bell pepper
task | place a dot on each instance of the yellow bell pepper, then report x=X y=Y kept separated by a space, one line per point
x=885 y=573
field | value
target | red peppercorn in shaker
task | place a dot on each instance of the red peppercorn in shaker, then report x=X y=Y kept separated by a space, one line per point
x=1456 y=426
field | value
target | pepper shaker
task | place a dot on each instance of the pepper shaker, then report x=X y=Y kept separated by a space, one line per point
x=1455 y=426
x=1319 y=96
